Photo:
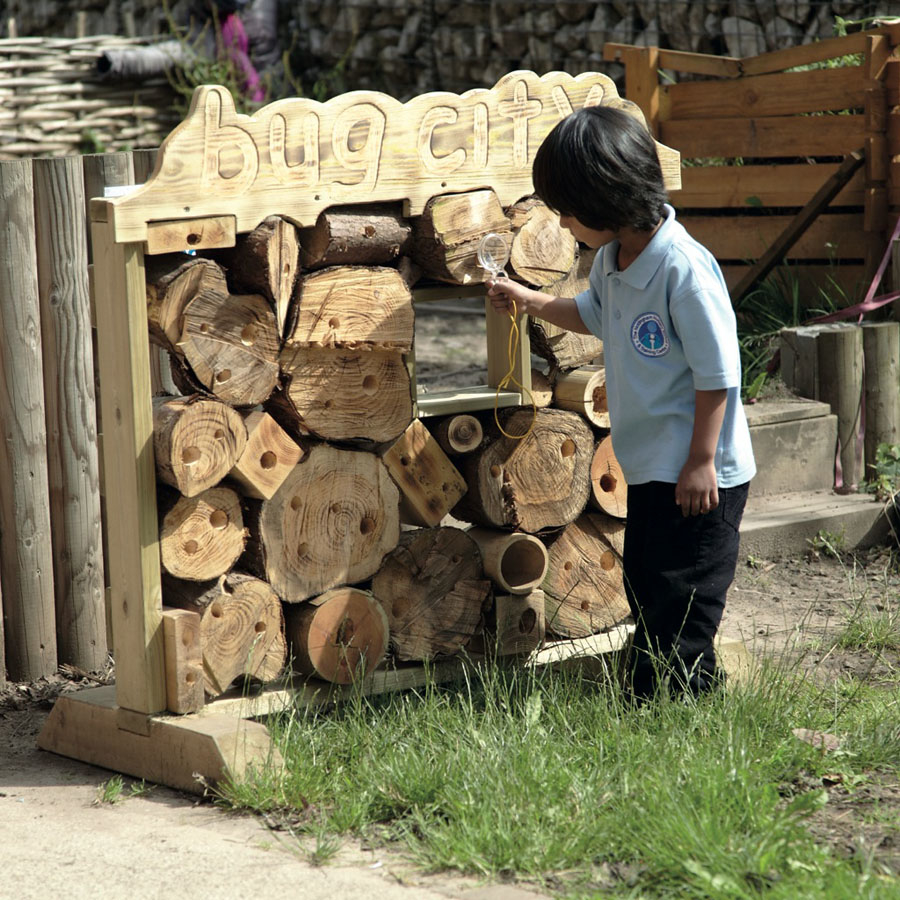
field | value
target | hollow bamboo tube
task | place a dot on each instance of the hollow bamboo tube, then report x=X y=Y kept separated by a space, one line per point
x=583 y=390
x=515 y=561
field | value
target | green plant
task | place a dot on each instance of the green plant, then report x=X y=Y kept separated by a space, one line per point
x=110 y=791
x=777 y=303
x=829 y=543
x=199 y=68
x=872 y=629
x=885 y=472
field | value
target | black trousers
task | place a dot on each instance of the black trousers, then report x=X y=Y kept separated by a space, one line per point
x=677 y=571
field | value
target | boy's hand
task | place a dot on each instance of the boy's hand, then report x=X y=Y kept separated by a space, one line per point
x=697 y=491
x=507 y=296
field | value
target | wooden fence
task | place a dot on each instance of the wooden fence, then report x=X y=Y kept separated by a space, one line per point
x=54 y=101
x=51 y=539
x=760 y=136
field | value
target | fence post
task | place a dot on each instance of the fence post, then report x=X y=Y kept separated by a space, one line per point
x=69 y=398
x=26 y=561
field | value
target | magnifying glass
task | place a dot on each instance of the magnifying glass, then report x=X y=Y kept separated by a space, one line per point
x=493 y=255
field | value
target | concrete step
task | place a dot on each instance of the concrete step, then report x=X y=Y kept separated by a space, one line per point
x=794 y=445
x=780 y=525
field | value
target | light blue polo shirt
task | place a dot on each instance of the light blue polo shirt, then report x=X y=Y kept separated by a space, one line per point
x=668 y=329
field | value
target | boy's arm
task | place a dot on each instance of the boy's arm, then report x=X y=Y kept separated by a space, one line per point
x=696 y=491
x=510 y=296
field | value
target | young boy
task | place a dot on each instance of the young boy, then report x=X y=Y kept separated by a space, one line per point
x=659 y=302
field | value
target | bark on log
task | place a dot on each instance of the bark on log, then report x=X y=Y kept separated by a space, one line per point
x=457 y=435
x=433 y=590
x=583 y=588
x=447 y=234
x=196 y=442
x=609 y=490
x=583 y=390
x=330 y=523
x=539 y=482
x=373 y=235
x=542 y=253
x=343 y=395
x=268 y=456
x=541 y=389
x=266 y=261
x=230 y=342
x=560 y=348
x=173 y=281
x=241 y=628
x=515 y=562
x=340 y=636
x=354 y=308
x=201 y=537
x=430 y=485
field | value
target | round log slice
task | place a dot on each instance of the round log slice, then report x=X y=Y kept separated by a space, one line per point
x=584 y=591
x=241 y=628
x=196 y=442
x=433 y=589
x=339 y=636
x=330 y=523
x=202 y=537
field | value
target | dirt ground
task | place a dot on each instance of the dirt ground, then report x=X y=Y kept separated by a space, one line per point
x=58 y=839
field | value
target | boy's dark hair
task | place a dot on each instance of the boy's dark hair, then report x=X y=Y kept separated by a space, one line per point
x=600 y=165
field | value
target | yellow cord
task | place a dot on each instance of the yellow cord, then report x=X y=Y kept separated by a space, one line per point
x=512 y=348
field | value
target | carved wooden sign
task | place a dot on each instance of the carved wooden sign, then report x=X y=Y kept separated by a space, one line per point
x=297 y=157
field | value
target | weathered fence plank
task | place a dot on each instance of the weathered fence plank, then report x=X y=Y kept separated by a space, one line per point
x=73 y=466
x=26 y=560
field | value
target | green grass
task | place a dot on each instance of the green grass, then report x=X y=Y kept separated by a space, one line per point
x=548 y=777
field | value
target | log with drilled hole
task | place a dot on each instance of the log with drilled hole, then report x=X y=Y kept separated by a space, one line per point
x=330 y=523
x=518 y=622
x=229 y=347
x=268 y=457
x=609 y=490
x=265 y=261
x=583 y=586
x=354 y=308
x=542 y=253
x=457 y=434
x=343 y=395
x=583 y=390
x=433 y=590
x=196 y=441
x=241 y=628
x=362 y=235
x=430 y=485
x=200 y=537
x=173 y=280
x=339 y=636
x=447 y=234
x=539 y=481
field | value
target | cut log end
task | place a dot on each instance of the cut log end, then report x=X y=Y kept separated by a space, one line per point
x=340 y=636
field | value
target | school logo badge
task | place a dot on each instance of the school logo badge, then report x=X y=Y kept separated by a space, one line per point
x=648 y=335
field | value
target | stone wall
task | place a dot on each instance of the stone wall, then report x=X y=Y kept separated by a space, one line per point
x=407 y=47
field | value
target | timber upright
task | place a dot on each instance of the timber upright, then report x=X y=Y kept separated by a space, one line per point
x=219 y=176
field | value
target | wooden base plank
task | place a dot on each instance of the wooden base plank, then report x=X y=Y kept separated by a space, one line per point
x=222 y=740
x=173 y=752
